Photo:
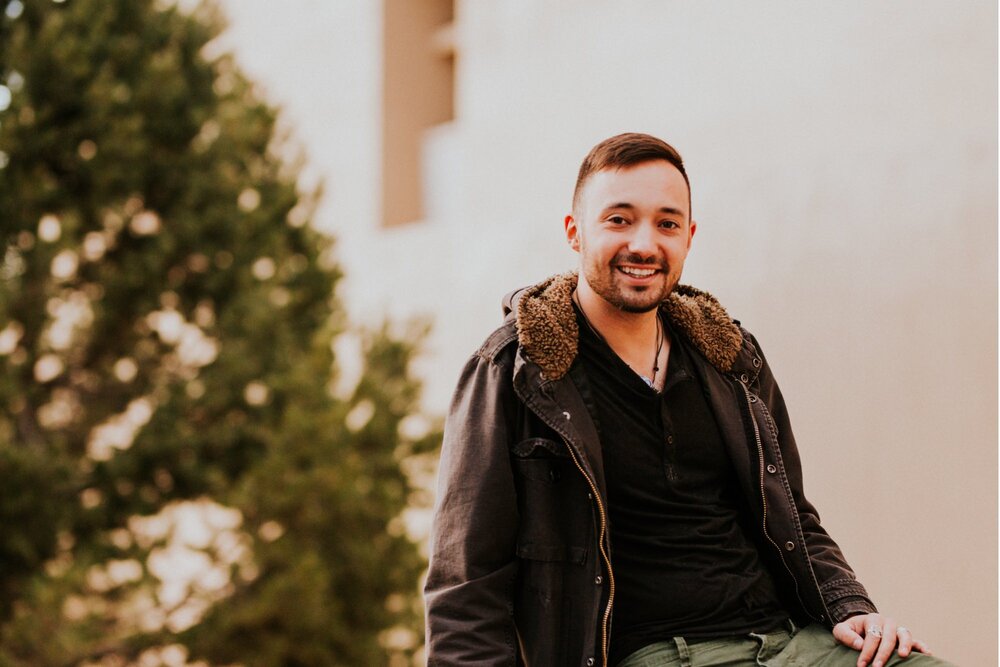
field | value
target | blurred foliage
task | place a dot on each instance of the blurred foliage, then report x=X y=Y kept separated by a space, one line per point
x=181 y=482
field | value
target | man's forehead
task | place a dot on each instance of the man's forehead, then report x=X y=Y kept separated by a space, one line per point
x=654 y=179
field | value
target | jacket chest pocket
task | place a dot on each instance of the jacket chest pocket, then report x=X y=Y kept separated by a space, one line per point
x=556 y=518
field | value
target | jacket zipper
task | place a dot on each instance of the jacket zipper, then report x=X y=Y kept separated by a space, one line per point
x=601 y=533
x=763 y=495
x=604 y=553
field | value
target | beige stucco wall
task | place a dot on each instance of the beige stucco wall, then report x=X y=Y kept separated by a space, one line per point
x=844 y=162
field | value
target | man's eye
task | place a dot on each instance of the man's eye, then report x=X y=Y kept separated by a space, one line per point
x=669 y=224
x=617 y=220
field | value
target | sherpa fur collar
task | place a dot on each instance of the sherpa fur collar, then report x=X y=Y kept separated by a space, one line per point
x=547 y=330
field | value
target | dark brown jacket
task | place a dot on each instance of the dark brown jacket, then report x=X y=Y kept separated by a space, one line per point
x=521 y=569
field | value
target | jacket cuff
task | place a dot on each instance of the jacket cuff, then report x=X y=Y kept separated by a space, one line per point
x=845 y=598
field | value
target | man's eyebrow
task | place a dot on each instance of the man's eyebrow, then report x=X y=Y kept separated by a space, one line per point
x=623 y=204
x=669 y=210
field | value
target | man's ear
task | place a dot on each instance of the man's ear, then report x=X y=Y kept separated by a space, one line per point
x=572 y=233
x=694 y=228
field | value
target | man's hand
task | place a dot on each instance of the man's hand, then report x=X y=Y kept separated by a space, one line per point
x=875 y=636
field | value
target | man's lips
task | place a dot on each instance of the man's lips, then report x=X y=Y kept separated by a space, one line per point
x=638 y=272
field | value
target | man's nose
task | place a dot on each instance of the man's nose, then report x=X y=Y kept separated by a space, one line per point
x=643 y=240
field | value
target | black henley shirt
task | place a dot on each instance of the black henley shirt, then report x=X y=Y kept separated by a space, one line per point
x=683 y=564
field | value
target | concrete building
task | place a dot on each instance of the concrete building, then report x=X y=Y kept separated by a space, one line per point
x=843 y=158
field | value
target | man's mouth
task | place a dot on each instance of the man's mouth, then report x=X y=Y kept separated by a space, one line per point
x=636 y=272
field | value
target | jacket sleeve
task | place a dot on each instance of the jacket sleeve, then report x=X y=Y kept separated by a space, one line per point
x=470 y=581
x=842 y=593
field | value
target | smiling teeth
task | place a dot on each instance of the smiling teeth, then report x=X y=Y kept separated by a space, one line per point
x=638 y=273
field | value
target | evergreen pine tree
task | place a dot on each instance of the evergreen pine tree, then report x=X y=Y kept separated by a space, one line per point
x=178 y=478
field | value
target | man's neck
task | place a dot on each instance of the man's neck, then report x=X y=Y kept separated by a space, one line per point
x=626 y=333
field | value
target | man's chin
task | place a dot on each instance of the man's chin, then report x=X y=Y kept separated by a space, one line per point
x=638 y=308
x=633 y=299
x=640 y=300
x=636 y=303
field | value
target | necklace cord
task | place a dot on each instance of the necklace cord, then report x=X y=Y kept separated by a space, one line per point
x=660 y=337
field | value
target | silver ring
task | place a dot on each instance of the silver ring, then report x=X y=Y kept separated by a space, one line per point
x=901 y=629
x=875 y=630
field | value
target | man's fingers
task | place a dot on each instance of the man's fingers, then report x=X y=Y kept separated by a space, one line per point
x=887 y=644
x=846 y=635
x=905 y=641
x=873 y=637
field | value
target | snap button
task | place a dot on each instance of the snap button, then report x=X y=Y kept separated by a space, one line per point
x=745 y=377
x=566 y=415
x=670 y=439
x=771 y=468
x=598 y=580
x=756 y=362
x=789 y=546
x=590 y=661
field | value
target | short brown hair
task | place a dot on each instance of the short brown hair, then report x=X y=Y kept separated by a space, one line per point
x=626 y=150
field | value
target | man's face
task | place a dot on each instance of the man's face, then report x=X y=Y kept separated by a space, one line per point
x=633 y=229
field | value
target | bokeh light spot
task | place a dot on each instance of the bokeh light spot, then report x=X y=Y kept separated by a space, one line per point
x=125 y=369
x=87 y=149
x=264 y=268
x=49 y=228
x=279 y=297
x=90 y=498
x=256 y=393
x=269 y=531
x=195 y=389
x=15 y=81
x=14 y=9
x=94 y=246
x=360 y=415
x=48 y=367
x=64 y=265
x=298 y=216
x=145 y=223
x=248 y=200
x=10 y=335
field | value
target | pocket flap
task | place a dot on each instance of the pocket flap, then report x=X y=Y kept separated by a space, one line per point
x=539 y=447
x=552 y=553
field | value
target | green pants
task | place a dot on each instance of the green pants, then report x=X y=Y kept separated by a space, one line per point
x=811 y=646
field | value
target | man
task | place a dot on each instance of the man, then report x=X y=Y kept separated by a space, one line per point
x=619 y=484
